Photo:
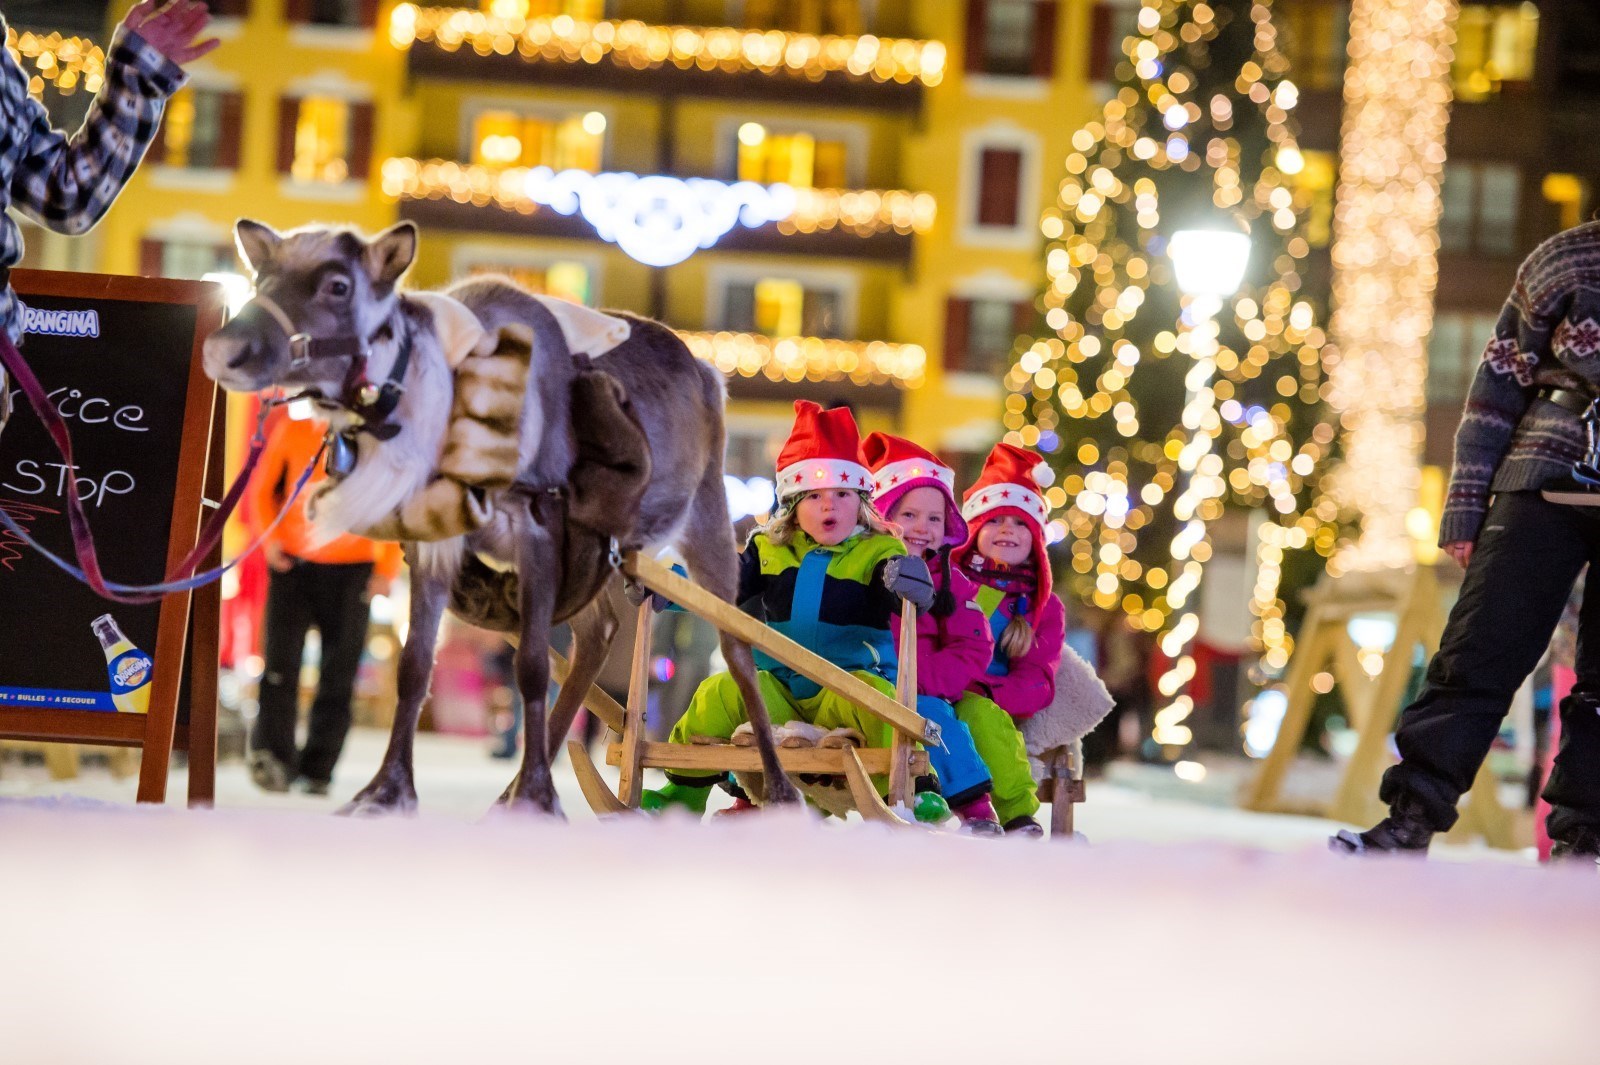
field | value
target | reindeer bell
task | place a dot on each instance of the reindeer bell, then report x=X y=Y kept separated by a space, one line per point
x=368 y=395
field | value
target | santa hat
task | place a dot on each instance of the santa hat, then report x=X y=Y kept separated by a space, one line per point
x=1010 y=486
x=898 y=466
x=823 y=451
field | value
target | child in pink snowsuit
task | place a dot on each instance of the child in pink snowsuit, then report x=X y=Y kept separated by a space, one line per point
x=1005 y=555
x=915 y=492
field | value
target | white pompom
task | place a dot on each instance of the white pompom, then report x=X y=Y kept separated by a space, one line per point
x=1043 y=475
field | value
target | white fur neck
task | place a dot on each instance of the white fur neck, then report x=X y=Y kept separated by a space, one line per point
x=388 y=472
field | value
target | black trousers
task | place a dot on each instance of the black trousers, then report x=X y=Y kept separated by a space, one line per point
x=1527 y=559
x=334 y=599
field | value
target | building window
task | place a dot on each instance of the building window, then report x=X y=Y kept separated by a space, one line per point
x=570 y=142
x=324 y=139
x=999 y=186
x=1495 y=49
x=842 y=17
x=188 y=259
x=980 y=334
x=1110 y=26
x=200 y=130
x=1567 y=195
x=798 y=158
x=1481 y=203
x=1454 y=348
x=1316 y=37
x=564 y=280
x=1011 y=38
x=351 y=14
x=1313 y=190
x=584 y=10
x=783 y=307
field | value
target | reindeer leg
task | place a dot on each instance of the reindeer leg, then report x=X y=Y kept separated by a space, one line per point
x=539 y=568
x=393 y=787
x=593 y=630
x=709 y=549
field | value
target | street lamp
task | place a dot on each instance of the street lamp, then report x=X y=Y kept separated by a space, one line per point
x=1209 y=266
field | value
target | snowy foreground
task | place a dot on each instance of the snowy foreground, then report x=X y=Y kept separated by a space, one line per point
x=241 y=936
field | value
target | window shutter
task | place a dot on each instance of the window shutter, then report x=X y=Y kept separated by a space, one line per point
x=156 y=154
x=150 y=258
x=369 y=13
x=297 y=10
x=957 y=329
x=976 y=41
x=1102 y=49
x=1022 y=318
x=1044 y=39
x=231 y=135
x=228 y=8
x=288 y=117
x=999 y=174
x=360 y=160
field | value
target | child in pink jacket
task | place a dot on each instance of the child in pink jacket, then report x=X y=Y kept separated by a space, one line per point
x=915 y=492
x=1005 y=555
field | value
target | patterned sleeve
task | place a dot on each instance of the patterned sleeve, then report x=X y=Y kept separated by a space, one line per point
x=1501 y=392
x=68 y=183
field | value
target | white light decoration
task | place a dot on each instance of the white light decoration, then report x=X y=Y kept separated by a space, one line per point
x=1209 y=262
x=658 y=220
x=1385 y=263
x=751 y=498
x=236 y=288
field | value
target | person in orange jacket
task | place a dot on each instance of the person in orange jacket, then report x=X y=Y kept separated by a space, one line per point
x=326 y=585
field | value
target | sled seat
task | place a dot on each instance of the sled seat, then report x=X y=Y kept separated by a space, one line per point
x=1061 y=787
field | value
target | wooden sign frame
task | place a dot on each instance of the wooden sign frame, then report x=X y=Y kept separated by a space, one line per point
x=199 y=478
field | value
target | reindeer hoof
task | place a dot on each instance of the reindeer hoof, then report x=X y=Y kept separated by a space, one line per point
x=385 y=799
x=531 y=801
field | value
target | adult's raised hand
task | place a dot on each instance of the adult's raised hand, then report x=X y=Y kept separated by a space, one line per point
x=172 y=29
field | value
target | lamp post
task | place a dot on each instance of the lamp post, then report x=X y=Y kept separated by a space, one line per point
x=1209 y=266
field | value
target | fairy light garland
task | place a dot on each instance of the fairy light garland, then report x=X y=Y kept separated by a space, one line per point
x=642 y=46
x=65 y=63
x=1247 y=434
x=862 y=212
x=796 y=359
x=1385 y=263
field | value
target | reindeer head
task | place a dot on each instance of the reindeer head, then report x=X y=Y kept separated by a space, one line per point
x=314 y=287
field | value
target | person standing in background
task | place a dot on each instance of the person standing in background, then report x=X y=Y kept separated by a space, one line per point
x=329 y=586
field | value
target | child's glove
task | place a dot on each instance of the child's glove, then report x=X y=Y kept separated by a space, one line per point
x=636 y=593
x=908 y=577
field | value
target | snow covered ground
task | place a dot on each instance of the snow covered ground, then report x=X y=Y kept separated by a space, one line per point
x=266 y=931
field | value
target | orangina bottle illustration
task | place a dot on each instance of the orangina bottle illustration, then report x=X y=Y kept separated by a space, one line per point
x=129 y=668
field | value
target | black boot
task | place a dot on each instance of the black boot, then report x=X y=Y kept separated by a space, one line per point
x=1406 y=830
x=1582 y=846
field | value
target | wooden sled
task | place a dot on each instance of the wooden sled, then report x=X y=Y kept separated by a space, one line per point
x=901 y=762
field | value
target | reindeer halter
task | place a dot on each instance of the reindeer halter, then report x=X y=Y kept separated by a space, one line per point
x=372 y=403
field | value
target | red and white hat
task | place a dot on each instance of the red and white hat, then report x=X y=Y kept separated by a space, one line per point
x=898 y=466
x=823 y=451
x=1009 y=486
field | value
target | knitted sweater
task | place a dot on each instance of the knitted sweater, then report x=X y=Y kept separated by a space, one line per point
x=1548 y=336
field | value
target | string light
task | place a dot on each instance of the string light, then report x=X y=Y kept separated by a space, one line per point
x=796 y=359
x=1145 y=474
x=1385 y=263
x=641 y=46
x=864 y=213
x=65 y=63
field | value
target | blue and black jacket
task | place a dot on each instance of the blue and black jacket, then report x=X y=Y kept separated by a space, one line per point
x=830 y=600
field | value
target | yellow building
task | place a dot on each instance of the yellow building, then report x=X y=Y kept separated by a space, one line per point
x=920 y=139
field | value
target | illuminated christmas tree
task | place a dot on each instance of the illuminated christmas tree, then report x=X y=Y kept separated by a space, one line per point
x=1157 y=410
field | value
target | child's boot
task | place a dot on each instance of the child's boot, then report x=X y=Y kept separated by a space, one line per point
x=690 y=797
x=741 y=806
x=978 y=818
x=1026 y=827
x=1407 y=830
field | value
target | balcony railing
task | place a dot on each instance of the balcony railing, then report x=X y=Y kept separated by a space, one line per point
x=860 y=223
x=864 y=71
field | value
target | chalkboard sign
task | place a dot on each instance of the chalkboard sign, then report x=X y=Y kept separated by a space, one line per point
x=120 y=358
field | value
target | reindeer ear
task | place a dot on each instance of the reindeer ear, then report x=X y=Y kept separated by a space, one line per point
x=391 y=252
x=256 y=241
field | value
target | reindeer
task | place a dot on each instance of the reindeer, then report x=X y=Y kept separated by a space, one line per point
x=327 y=318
